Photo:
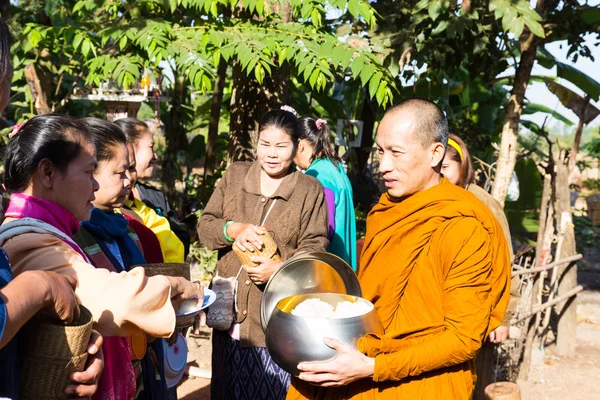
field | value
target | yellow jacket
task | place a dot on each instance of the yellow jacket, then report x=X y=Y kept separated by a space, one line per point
x=170 y=245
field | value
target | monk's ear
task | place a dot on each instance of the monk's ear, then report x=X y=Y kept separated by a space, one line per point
x=46 y=173
x=438 y=151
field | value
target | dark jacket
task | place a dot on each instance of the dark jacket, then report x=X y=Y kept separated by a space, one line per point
x=297 y=222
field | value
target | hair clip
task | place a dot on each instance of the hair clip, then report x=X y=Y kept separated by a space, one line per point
x=289 y=109
x=15 y=130
x=320 y=122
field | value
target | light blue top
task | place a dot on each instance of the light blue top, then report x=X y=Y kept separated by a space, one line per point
x=333 y=177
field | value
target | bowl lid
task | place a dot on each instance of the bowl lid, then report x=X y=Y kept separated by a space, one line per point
x=310 y=272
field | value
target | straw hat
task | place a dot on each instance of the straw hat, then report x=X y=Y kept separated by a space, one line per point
x=49 y=353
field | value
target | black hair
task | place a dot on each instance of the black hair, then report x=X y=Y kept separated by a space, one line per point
x=318 y=138
x=281 y=119
x=54 y=137
x=5 y=42
x=133 y=128
x=431 y=124
x=106 y=135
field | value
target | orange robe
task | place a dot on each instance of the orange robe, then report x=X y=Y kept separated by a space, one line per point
x=436 y=267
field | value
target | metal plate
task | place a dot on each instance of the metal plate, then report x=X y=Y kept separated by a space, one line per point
x=311 y=272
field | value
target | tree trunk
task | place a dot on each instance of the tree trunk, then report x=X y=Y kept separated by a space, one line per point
x=514 y=107
x=250 y=100
x=37 y=93
x=175 y=137
x=215 y=115
x=567 y=273
x=512 y=115
x=577 y=140
x=366 y=147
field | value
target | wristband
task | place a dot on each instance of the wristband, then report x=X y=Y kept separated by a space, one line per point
x=227 y=237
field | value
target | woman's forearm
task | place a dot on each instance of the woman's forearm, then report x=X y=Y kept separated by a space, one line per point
x=24 y=297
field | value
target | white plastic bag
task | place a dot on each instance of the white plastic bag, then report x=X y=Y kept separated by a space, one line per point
x=513 y=188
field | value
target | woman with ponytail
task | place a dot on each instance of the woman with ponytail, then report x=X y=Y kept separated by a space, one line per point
x=317 y=157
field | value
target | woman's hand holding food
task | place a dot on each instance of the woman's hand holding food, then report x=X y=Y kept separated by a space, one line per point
x=183 y=289
x=261 y=274
x=247 y=236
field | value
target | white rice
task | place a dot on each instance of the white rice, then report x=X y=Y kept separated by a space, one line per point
x=316 y=308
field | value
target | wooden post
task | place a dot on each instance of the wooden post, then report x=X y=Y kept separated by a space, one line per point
x=503 y=391
x=567 y=274
x=37 y=93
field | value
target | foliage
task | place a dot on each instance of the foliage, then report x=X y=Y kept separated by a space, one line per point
x=203 y=260
x=586 y=234
x=592 y=185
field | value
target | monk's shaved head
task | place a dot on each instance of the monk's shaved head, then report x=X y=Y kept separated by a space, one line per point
x=428 y=122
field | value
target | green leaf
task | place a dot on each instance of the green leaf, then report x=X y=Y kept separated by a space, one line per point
x=85 y=47
x=441 y=27
x=259 y=73
x=354 y=8
x=366 y=73
x=534 y=26
x=315 y=17
x=77 y=40
x=532 y=108
x=357 y=65
x=517 y=28
x=374 y=82
x=381 y=92
x=123 y=42
x=313 y=78
x=421 y=5
x=365 y=11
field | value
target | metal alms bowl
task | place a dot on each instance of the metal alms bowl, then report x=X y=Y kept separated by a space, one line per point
x=310 y=272
x=292 y=339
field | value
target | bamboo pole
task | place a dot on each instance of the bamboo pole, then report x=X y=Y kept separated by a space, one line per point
x=541 y=307
x=549 y=266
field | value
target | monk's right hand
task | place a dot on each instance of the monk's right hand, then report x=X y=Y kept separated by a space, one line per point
x=60 y=301
x=247 y=236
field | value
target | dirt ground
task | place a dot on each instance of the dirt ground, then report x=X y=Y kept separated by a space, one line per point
x=554 y=377
x=551 y=377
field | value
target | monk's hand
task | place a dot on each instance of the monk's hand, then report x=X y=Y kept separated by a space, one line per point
x=247 y=236
x=500 y=334
x=264 y=271
x=84 y=384
x=347 y=366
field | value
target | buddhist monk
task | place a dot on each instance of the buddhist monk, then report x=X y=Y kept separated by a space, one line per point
x=436 y=266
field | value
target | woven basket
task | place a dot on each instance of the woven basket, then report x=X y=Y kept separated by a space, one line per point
x=181 y=270
x=49 y=353
x=269 y=250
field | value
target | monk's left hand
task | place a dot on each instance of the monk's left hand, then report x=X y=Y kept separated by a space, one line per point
x=500 y=334
x=84 y=384
x=261 y=274
x=347 y=366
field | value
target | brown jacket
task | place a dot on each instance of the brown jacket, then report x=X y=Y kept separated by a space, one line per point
x=297 y=222
x=498 y=212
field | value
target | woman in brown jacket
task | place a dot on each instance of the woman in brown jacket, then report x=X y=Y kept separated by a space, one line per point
x=266 y=194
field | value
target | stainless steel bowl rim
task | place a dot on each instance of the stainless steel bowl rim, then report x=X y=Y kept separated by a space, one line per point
x=340 y=266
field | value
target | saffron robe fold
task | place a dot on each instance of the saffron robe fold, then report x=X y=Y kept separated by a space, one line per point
x=436 y=267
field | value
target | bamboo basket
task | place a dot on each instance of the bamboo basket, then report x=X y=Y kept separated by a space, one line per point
x=49 y=353
x=269 y=250
x=181 y=270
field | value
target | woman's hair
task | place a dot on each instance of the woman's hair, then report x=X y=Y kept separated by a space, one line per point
x=54 y=137
x=106 y=135
x=133 y=128
x=319 y=138
x=280 y=119
x=5 y=41
x=467 y=172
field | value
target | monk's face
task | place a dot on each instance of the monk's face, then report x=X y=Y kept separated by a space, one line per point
x=407 y=166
